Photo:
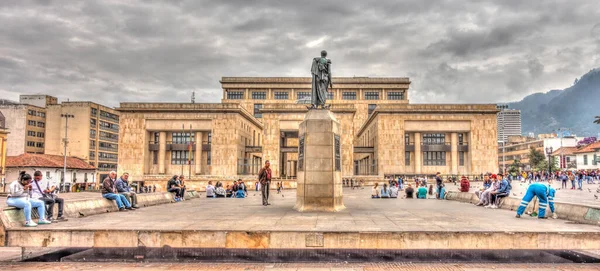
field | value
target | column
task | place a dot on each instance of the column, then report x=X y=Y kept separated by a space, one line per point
x=418 y=153
x=198 y=153
x=162 y=151
x=454 y=152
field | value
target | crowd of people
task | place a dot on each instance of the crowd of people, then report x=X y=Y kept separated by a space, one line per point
x=237 y=190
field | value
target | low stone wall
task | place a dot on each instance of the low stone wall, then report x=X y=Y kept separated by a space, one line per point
x=568 y=211
x=13 y=217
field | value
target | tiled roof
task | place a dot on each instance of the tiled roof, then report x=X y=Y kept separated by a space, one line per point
x=589 y=148
x=565 y=151
x=47 y=161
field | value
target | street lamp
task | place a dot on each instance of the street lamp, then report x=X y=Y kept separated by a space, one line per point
x=549 y=153
x=66 y=141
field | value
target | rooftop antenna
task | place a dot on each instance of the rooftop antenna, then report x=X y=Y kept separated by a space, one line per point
x=193 y=97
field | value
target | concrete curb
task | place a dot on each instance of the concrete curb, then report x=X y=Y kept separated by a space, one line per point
x=568 y=211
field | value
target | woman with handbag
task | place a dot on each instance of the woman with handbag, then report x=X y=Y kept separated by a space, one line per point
x=18 y=197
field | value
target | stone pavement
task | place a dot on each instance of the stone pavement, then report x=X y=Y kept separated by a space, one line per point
x=362 y=214
x=585 y=196
x=294 y=266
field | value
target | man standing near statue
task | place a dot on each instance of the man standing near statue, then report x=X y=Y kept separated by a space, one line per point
x=264 y=177
x=321 y=79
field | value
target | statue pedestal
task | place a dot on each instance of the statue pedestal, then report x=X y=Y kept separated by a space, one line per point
x=319 y=174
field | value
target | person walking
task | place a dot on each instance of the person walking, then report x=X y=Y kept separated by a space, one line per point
x=264 y=177
x=438 y=183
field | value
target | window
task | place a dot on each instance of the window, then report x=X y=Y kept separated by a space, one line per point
x=302 y=95
x=92 y=144
x=92 y=155
x=407 y=158
x=93 y=122
x=154 y=157
x=595 y=161
x=259 y=95
x=47 y=174
x=281 y=95
x=109 y=136
x=41 y=124
x=94 y=111
x=209 y=138
x=31 y=122
x=372 y=108
x=108 y=115
x=406 y=139
x=257 y=108
x=156 y=138
x=461 y=158
x=31 y=112
x=183 y=138
x=39 y=144
x=30 y=133
x=396 y=95
x=349 y=95
x=434 y=158
x=109 y=146
x=180 y=157
x=330 y=95
x=105 y=155
x=208 y=158
x=585 y=162
x=434 y=139
x=235 y=95
x=107 y=125
x=85 y=177
x=42 y=114
x=92 y=133
x=460 y=139
x=372 y=95
x=74 y=178
x=40 y=134
x=30 y=144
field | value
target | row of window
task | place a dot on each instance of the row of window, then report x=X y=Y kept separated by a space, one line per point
x=435 y=158
x=351 y=95
x=585 y=160
x=108 y=125
x=109 y=115
x=107 y=155
x=35 y=144
x=36 y=113
x=35 y=134
x=109 y=135
x=181 y=138
x=36 y=123
x=181 y=158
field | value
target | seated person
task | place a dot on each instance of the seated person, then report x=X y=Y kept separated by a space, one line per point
x=228 y=191
x=240 y=194
x=173 y=187
x=42 y=190
x=375 y=191
x=394 y=191
x=464 y=184
x=409 y=191
x=210 y=190
x=385 y=191
x=220 y=191
x=18 y=197
x=503 y=191
x=124 y=189
x=422 y=192
x=109 y=191
x=430 y=192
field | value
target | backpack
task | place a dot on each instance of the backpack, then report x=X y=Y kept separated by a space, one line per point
x=509 y=186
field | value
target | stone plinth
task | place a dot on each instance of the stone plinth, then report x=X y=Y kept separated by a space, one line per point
x=319 y=177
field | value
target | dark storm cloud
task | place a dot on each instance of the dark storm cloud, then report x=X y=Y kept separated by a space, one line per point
x=453 y=51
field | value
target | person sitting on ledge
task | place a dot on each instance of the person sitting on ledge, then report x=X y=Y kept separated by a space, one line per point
x=220 y=191
x=394 y=191
x=465 y=185
x=375 y=191
x=181 y=184
x=109 y=191
x=210 y=190
x=409 y=191
x=422 y=192
x=124 y=189
x=228 y=192
x=172 y=187
x=385 y=191
x=18 y=197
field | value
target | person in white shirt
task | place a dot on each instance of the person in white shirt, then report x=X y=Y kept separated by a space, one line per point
x=41 y=189
x=210 y=190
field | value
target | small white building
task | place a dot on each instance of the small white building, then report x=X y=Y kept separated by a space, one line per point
x=588 y=157
x=80 y=175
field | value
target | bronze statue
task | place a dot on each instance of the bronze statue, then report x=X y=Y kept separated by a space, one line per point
x=321 y=79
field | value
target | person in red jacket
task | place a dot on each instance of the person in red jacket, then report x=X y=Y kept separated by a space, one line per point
x=464 y=184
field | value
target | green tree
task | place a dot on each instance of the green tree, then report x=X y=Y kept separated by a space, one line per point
x=515 y=168
x=536 y=158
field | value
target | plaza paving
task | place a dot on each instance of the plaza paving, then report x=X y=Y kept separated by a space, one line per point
x=362 y=214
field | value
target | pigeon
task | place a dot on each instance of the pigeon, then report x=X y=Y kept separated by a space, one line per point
x=514 y=194
x=590 y=190
x=596 y=196
x=282 y=195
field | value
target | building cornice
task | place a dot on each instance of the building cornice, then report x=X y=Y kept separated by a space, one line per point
x=302 y=108
x=188 y=108
x=307 y=80
x=444 y=109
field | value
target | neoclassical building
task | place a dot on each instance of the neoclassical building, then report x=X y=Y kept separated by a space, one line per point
x=258 y=119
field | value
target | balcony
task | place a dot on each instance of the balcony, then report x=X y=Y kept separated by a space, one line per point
x=108 y=149
x=109 y=119
x=109 y=129
x=464 y=147
x=364 y=149
x=104 y=159
x=254 y=149
x=109 y=139
x=170 y=146
x=409 y=146
x=445 y=147
x=289 y=149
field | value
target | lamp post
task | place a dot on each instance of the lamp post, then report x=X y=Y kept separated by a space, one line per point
x=549 y=153
x=66 y=141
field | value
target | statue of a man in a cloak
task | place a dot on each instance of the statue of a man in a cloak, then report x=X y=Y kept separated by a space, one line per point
x=321 y=79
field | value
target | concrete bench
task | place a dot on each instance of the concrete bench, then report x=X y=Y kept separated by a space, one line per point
x=12 y=216
x=568 y=211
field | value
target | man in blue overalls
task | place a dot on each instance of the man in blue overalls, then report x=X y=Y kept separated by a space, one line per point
x=544 y=193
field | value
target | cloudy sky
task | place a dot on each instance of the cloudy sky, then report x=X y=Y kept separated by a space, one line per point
x=112 y=51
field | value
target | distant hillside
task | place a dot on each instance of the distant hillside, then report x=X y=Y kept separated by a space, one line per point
x=573 y=107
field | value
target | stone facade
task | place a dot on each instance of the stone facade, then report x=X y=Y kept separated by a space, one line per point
x=258 y=119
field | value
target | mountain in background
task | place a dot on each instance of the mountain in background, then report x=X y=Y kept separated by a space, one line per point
x=573 y=108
